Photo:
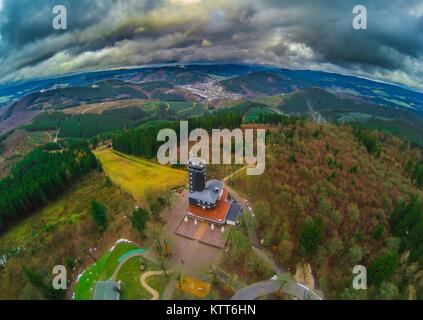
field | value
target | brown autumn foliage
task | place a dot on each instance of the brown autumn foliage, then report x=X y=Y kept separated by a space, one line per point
x=322 y=171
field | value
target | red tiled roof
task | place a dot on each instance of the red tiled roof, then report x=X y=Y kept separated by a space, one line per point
x=218 y=214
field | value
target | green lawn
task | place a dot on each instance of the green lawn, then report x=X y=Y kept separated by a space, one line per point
x=129 y=275
x=101 y=270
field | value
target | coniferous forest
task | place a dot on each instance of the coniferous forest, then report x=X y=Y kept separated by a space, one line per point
x=41 y=176
x=142 y=141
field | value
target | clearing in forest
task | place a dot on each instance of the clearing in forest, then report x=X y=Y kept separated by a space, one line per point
x=137 y=175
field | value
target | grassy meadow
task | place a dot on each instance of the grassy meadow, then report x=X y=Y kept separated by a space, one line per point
x=136 y=175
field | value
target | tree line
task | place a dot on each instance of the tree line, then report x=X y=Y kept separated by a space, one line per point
x=275 y=118
x=407 y=224
x=40 y=177
x=142 y=141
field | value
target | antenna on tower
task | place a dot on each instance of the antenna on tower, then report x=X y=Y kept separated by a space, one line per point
x=196 y=161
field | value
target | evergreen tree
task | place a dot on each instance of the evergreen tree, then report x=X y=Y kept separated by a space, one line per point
x=36 y=280
x=97 y=212
x=311 y=236
x=383 y=268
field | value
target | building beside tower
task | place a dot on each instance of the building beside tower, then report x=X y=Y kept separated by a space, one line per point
x=209 y=200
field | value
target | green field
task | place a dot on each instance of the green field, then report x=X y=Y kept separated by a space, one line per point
x=272 y=101
x=180 y=108
x=254 y=114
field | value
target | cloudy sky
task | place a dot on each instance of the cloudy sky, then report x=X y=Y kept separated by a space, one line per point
x=289 y=33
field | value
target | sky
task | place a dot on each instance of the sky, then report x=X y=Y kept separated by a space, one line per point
x=310 y=34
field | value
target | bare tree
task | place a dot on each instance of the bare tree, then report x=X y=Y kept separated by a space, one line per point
x=168 y=199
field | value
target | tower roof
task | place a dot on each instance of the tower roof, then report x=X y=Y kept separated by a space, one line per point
x=217 y=214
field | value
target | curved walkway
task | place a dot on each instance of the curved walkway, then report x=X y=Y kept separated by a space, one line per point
x=121 y=263
x=144 y=276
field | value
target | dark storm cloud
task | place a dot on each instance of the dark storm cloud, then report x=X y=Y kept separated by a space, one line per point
x=28 y=21
x=296 y=34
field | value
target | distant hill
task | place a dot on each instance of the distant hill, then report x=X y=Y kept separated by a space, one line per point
x=322 y=96
x=62 y=98
x=280 y=81
x=381 y=93
x=323 y=106
x=261 y=82
x=102 y=91
x=175 y=75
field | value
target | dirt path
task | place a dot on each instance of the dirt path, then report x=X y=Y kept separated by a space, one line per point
x=57 y=136
x=144 y=276
x=92 y=108
x=225 y=179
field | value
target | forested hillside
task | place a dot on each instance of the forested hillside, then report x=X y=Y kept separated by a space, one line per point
x=41 y=176
x=337 y=197
x=325 y=106
x=87 y=125
x=61 y=233
x=142 y=141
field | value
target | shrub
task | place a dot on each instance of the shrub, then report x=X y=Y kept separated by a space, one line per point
x=311 y=236
x=97 y=212
x=383 y=268
x=139 y=220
